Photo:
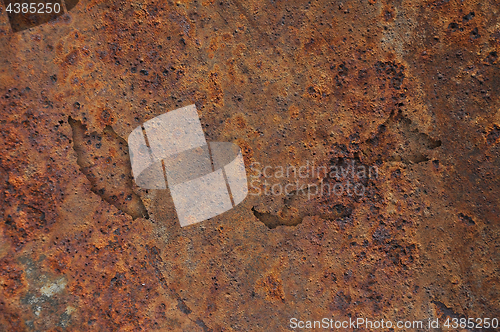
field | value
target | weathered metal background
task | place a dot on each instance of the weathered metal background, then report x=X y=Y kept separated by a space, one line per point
x=411 y=87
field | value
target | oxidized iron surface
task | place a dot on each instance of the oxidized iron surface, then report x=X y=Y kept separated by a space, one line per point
x=411 y=87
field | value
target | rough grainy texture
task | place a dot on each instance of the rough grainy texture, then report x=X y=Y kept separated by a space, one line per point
x=411 y=88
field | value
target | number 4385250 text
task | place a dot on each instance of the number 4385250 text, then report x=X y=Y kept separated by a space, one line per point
x=33 y=8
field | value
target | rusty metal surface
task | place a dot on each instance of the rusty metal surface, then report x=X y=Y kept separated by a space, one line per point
x=409 y=87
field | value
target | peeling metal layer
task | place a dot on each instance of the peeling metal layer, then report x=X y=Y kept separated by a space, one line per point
x=411 y=88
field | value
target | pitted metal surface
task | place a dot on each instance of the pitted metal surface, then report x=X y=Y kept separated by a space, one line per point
x=410 y=88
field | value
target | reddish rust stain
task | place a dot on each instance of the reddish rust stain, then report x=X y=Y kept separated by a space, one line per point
x=411 y=88
x=272 y=288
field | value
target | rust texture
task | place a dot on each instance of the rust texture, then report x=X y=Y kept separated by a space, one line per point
x=409 y=87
